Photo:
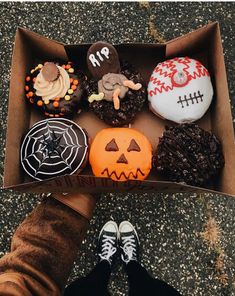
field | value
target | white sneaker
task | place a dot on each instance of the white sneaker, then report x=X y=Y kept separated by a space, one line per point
x=129 y=242
x=108 y=241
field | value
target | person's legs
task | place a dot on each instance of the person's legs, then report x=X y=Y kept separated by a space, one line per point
x=140 y=282
x=96 y=282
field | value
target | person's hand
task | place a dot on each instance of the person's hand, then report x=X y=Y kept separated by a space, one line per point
x=83 y=203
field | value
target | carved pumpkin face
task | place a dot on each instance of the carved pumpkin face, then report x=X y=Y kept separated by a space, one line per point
x=121 y=154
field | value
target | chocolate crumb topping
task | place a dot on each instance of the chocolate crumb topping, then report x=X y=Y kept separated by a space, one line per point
x=130 y=105
x=186 y=153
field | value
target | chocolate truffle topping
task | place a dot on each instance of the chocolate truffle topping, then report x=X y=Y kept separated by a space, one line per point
x=186 y=153
x=54 y=147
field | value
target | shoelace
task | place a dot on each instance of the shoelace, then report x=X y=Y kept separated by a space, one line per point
x=129 y=248
x=107 y=248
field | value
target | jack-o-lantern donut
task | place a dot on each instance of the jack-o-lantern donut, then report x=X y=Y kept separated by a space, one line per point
x=121 y=154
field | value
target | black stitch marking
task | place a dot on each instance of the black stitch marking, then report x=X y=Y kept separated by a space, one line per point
x=192 y=99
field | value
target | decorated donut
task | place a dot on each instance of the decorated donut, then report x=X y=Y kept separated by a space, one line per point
x=121 y=154
x=54 y=147
x=116 y=92
x=180 y=90
x=186 y=153
x=55 y=89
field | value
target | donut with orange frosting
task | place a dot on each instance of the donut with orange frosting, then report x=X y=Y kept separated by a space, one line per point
x=121 y=154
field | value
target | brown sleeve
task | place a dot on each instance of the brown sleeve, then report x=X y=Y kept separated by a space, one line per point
x=82 y=203
x=43 y=250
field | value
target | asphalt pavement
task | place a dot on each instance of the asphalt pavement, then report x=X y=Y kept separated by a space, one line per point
x=173 y=228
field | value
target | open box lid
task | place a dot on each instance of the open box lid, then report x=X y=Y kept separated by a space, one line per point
x=204 y=44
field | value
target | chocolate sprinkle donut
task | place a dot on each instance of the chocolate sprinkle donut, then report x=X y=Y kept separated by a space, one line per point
x=56 y=107
x=130 y=105
x=186 y=153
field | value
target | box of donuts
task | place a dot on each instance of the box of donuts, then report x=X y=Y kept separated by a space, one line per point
x=130 y=117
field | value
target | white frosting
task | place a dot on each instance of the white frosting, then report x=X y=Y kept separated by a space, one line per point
x=49 y=90
x=180 y=90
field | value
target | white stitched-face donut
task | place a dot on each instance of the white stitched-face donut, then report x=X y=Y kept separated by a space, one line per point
x=180 y=90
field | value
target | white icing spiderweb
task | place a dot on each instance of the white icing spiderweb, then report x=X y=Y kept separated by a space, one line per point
x=52 y=148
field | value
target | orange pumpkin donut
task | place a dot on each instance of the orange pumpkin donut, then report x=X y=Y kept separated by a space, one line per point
x=121 y=154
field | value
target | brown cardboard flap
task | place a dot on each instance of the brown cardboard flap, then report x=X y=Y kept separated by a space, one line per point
x=18 y=113
x=91 y=184
x=42 y=47
x=221 y=114
x=192 y=42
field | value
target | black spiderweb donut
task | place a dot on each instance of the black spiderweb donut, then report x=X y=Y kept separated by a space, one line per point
x=53 y=147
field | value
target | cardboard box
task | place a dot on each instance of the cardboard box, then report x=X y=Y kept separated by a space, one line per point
x=203 y=44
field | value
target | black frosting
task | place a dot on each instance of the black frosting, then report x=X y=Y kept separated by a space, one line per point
x=53 y=147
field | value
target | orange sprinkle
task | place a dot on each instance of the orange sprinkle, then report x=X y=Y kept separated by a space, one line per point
x=56 y=104
x=56 y=99
x=75 y=82
x=74 y=87
x=62 y=109
x=130 y=84
x=30 y=94
x=26 y=88
x=34 y=79
x=67 y=66
x=27 y=96
x=27 y=78
x=40 y=103
x=71 y=80
x=116 y=101
x=31 y=100
x=47 y=114
x=57 y=115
